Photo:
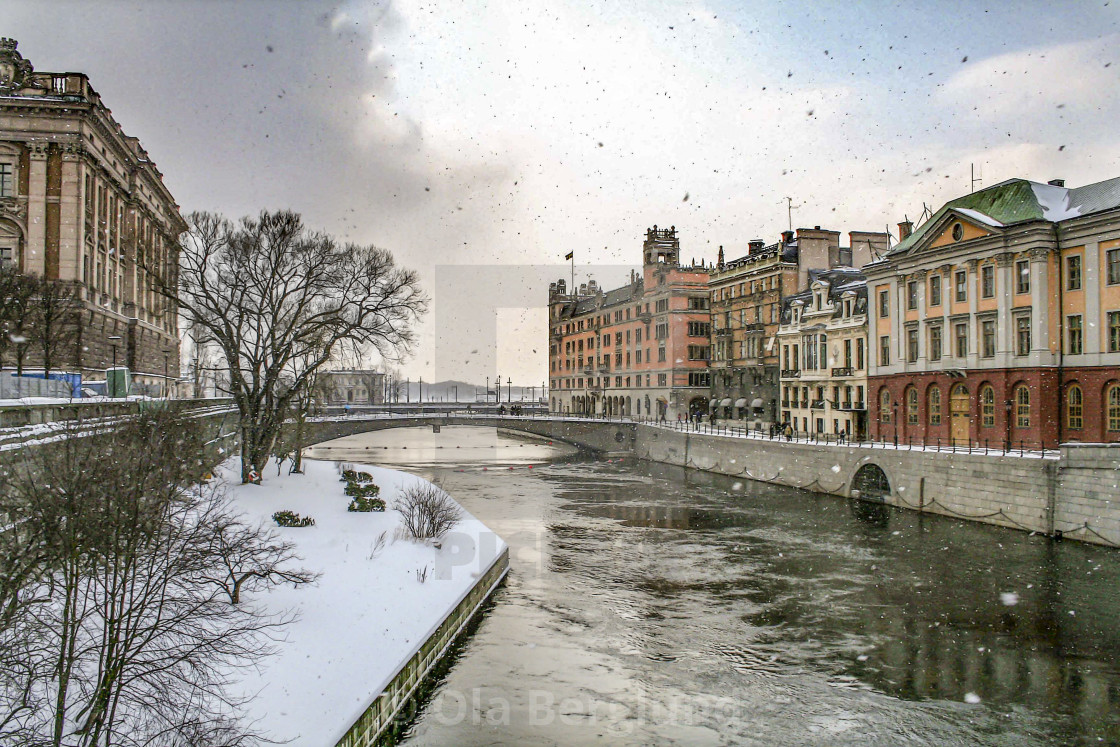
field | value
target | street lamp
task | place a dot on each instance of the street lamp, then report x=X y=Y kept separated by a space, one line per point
x=894 y=418
x=113 y=340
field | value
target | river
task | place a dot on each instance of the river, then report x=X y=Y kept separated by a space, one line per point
x=649 y=604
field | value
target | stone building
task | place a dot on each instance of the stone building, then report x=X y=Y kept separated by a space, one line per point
x=746 y=305
x=823 y=344
x=640 y=350
x=82 y=202
x=352 y=386
x=997 y=321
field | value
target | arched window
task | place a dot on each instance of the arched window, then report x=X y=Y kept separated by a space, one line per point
x=1112 y=398
x=934 y=406
x=885 y=405
x=1074 y=402
x=1022 y=406
x=987 y=406
x=912 y=406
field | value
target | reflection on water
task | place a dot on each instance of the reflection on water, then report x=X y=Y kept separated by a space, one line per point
x=649 y=604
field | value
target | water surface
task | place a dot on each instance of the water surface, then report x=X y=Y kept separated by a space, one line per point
x=650 y=604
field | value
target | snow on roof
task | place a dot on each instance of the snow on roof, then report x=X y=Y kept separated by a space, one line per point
x=976 y=215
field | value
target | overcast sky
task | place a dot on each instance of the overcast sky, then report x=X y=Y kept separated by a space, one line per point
x=513 y=132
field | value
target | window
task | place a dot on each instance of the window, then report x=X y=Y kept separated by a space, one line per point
x=1075 y=338
x=988 y=338
x=987 y=406
x=912 y=295
x=912 y=406
x=662 y=331
x=847 y=353
x=1114 y=331
x=1073 y=407
x=699 y=352
x=958 y=232
x=694 y=303
x=1112 y=266
x=1022 y=406
x=960 y=281
x=1023 y=335
x=987 y=281
x=885 y=350
x=884 y=303
x=1023 y=276
x=934 y=406
x=699 y=329
x=1112 y=402
x=699 y=378
x=859 y=353
x=6 y=182
x=7 y=256
x=885 y=405
x=663 y=305
x=961 y=338
x=662 y=379
x=935 y=343
x=912 y=345
x=935 y=290
x=1073 y=272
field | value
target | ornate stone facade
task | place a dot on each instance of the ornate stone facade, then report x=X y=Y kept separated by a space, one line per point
x=641 y=350
x=81 y=201
x=998 y=321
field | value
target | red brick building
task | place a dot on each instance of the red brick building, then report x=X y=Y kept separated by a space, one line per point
x=997 y=321
x=639 y=350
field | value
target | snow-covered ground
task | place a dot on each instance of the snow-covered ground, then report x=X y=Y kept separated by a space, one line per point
x=367 y=614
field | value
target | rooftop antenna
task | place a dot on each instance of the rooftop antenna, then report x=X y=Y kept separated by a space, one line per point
x=975 y=179
x=789 y=210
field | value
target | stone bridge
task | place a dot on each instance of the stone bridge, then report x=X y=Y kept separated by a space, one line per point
x=605 y=436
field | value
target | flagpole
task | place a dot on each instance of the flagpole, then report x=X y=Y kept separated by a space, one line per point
x=573 y=272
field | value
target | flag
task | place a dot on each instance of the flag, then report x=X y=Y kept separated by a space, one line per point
x=569 y=255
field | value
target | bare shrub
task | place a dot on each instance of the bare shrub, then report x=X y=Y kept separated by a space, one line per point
x=377 y=547
x=427 y=512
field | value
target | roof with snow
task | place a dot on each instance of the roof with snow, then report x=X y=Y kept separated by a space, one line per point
x=1021 y=201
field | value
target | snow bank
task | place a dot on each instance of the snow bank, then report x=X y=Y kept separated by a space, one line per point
x=365 y=617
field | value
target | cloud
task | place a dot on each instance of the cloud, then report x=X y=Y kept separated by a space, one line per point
x=1077 y=77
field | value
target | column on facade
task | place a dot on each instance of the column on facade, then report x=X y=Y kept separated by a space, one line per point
x=1004 y=322
x=1040 y=303
x=70 y=217
x=1091 y=283
x=35 y=247
x=973 y=331
x=946 y=273
x=896 y=322
x=921 y=278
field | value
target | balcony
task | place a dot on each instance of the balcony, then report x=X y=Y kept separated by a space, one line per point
x=645 y=316
x=791 y=373
x=818 y=404
x=754 y=327
x=722 y=332
x=850 y=406
x=604 y=367
x=804 y=404
x=846 y=371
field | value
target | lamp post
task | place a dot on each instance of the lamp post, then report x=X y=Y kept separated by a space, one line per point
x=1007 y=425
x=498 y=390
x=166 y=384
x=456 y=388
x=894 y=418
x=113 y=340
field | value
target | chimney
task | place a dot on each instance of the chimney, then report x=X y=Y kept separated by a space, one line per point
x=904 y=229
x=1057 y=182
x=755 y=245
x=787 y=237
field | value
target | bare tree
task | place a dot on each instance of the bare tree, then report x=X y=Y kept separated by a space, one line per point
x=55 y=325
x=17 y=294
x=268 y=291
x=254 y=558
x=114 y=609
x=427 y=512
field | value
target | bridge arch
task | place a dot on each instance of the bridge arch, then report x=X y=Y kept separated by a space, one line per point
x=870 y=483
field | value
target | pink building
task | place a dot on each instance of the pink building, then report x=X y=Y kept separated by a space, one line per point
x=639 y=350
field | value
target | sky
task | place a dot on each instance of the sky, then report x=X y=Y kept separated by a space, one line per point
x=503 y=135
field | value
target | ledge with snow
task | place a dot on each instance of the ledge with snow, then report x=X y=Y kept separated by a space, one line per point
x=382 y=614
